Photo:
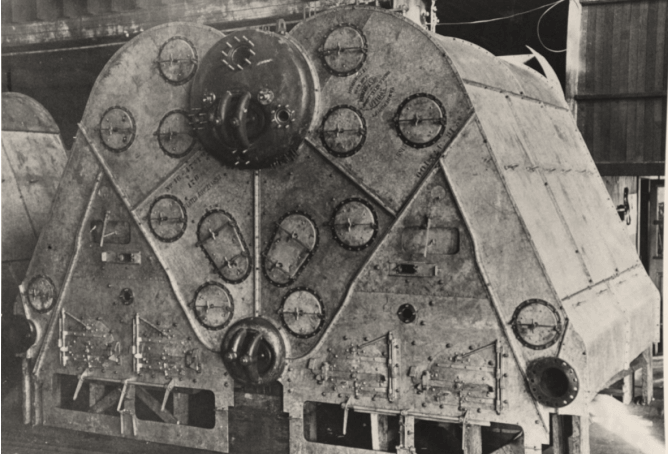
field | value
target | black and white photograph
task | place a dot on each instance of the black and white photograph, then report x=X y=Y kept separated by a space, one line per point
x=333 y=226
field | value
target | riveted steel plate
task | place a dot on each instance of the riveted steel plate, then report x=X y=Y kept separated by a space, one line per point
x=177 y=60
x=88 y=343
x=213 y=305
x=175 y=135
x=354 y=224
x=117 y=129
x=302 y=312
x=167 y=218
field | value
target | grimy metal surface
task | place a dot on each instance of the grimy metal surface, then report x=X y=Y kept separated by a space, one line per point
x=33 y=159
x=427 y=242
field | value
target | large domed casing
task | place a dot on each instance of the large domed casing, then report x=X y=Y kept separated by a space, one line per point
x=423 y=256
x=254 y=98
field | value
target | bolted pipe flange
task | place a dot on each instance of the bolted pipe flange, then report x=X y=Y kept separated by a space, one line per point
x=553 y=382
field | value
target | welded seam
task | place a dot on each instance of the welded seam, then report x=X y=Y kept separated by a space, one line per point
x=68 y=278
x=172 y=280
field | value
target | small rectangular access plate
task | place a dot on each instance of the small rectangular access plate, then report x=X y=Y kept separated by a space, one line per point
x=408 y=269
x=133 y=258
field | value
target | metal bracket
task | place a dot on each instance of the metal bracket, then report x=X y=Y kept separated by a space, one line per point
x=104 y=228
x=346 y=408
x=83 y=375
x=498 y=402
x=193 y=359
x=133 y=418
x=121 y=400
x=168 y=390
x=392 y=363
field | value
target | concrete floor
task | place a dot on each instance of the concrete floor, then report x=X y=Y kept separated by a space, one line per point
x=629 y=429
x=615 y=429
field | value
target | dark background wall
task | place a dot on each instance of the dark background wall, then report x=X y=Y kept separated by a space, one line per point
x=60 y=76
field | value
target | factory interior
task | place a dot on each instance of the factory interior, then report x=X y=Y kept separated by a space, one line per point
x=426 y=226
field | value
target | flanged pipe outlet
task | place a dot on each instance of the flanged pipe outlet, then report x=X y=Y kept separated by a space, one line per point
x=18 y=333
x=253 y=351
x=553 y=382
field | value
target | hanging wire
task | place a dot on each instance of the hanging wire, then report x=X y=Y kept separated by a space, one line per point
x=550 y=5
x=538 y=29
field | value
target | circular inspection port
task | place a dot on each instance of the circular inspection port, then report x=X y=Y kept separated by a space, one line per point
x=407 y=313
x=283 y=115
x=553 y=382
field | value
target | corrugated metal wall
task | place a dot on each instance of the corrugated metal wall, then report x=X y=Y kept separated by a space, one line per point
x=616 y=82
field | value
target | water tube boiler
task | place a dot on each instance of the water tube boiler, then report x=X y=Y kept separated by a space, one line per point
x=373 y=227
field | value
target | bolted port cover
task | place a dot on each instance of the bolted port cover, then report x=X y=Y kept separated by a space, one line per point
x=253 y=99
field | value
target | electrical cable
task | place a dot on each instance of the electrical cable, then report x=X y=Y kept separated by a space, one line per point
x=538 y=29
x=550 y=5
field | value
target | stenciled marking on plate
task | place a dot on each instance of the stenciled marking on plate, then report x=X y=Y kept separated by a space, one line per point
x=373 y=93
x=195 y=179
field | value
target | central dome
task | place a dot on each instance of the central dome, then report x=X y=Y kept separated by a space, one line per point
x=253 y=99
